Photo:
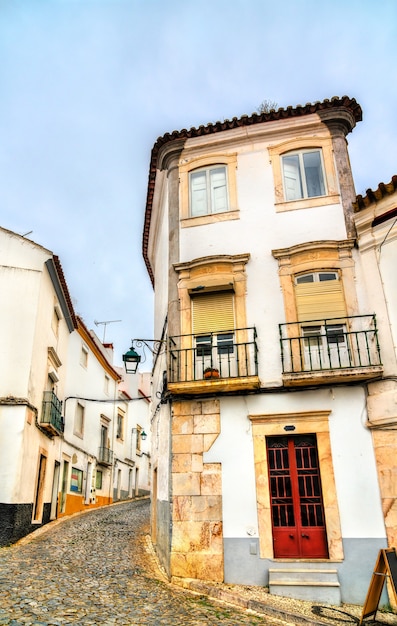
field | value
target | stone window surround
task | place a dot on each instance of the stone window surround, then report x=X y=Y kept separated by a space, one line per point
x=186 y=166
x=324 y=144
x=214 y=273
x=315 y=256
x=306 y=422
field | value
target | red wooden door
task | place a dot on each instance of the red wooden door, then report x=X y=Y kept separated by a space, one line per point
x=296 y=497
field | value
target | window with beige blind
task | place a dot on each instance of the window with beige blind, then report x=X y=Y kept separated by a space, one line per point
x=213 y=330
x=321 y=311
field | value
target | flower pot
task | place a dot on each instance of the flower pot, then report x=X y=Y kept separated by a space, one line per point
x=211 y=373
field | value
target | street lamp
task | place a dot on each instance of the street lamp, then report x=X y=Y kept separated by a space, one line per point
x=132 y=358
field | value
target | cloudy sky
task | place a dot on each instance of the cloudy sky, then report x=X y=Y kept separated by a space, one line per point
x=87 y=86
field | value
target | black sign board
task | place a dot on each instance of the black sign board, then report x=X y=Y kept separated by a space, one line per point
x=386 y=567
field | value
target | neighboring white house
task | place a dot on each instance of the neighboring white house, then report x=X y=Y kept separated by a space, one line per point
x=376 y=223
x=36 y=322
x=103 y=456
x=132 y=448
x=264 y=470
x=71 y=424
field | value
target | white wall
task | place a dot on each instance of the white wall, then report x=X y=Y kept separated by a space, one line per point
x=352 y=455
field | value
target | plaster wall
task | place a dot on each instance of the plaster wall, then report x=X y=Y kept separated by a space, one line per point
x=17 y=321
x=88 y=382
x=12 y=423
x=352 y=457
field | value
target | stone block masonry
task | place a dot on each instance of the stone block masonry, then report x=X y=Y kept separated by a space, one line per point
x=197 y=538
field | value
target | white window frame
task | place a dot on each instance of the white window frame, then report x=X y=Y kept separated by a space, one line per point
x=304 y=193
x=319 y=276
x=210 y=191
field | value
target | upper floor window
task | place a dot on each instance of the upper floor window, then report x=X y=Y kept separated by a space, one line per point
x=120 y=426
x=56 y=316
x=106 y=384
x=79 y=420
x=208 y=188
x=303 y=175
x=208 y=191
x=316 y=277
x=84 y=356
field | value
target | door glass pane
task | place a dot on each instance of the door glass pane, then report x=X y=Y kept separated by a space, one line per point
x=313 y=174
x=280 y=483
x=203 y=346
x=311 y=508
x=292 y=177
x=225 y=343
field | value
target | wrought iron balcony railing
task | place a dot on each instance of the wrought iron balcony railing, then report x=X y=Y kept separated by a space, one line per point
x=330 y=344
x=213 y=355
x=51 y=415
x=105 y=456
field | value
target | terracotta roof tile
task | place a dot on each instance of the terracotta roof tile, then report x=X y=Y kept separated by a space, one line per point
x=362 y=202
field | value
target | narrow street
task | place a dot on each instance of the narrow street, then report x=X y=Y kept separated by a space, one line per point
x=96 y=569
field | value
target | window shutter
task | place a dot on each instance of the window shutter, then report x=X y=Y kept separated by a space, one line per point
x=320 y=300
x=213 y=312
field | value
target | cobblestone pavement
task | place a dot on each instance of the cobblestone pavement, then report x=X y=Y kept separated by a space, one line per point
x=96 y=569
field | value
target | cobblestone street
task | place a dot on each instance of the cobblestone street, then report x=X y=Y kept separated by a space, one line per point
x=97 y=569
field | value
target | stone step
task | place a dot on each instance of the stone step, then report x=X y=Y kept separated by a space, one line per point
x=319 y=585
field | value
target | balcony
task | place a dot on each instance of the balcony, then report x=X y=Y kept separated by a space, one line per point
x=105 y=456
x=330 y=350
x=215 y=362
x=51 y=415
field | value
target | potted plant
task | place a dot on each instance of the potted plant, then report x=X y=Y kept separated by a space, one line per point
x=211 y=372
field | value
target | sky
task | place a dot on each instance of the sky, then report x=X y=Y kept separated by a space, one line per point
x=87 y=86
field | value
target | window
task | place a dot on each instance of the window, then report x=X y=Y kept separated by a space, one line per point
x=213 y=324
x=303 y=175
x=98 y=479
x=106 y=384
x=79 y=420
x=76 y=480
x=319 y=295
x=84 y=356
x=208 y=191
x=56 y=316
x=325 y=347
x=316 y=277
x=138 y=438
x=120 y=426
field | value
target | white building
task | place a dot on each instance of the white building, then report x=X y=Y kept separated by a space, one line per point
x=265 y=472
x=376 y=223
x=71 y=424
x=36 y=321
x=104 y=457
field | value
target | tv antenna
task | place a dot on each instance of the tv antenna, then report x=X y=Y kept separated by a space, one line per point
x=104 y=324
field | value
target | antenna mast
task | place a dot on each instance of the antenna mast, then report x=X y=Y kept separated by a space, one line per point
x=104 y=324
